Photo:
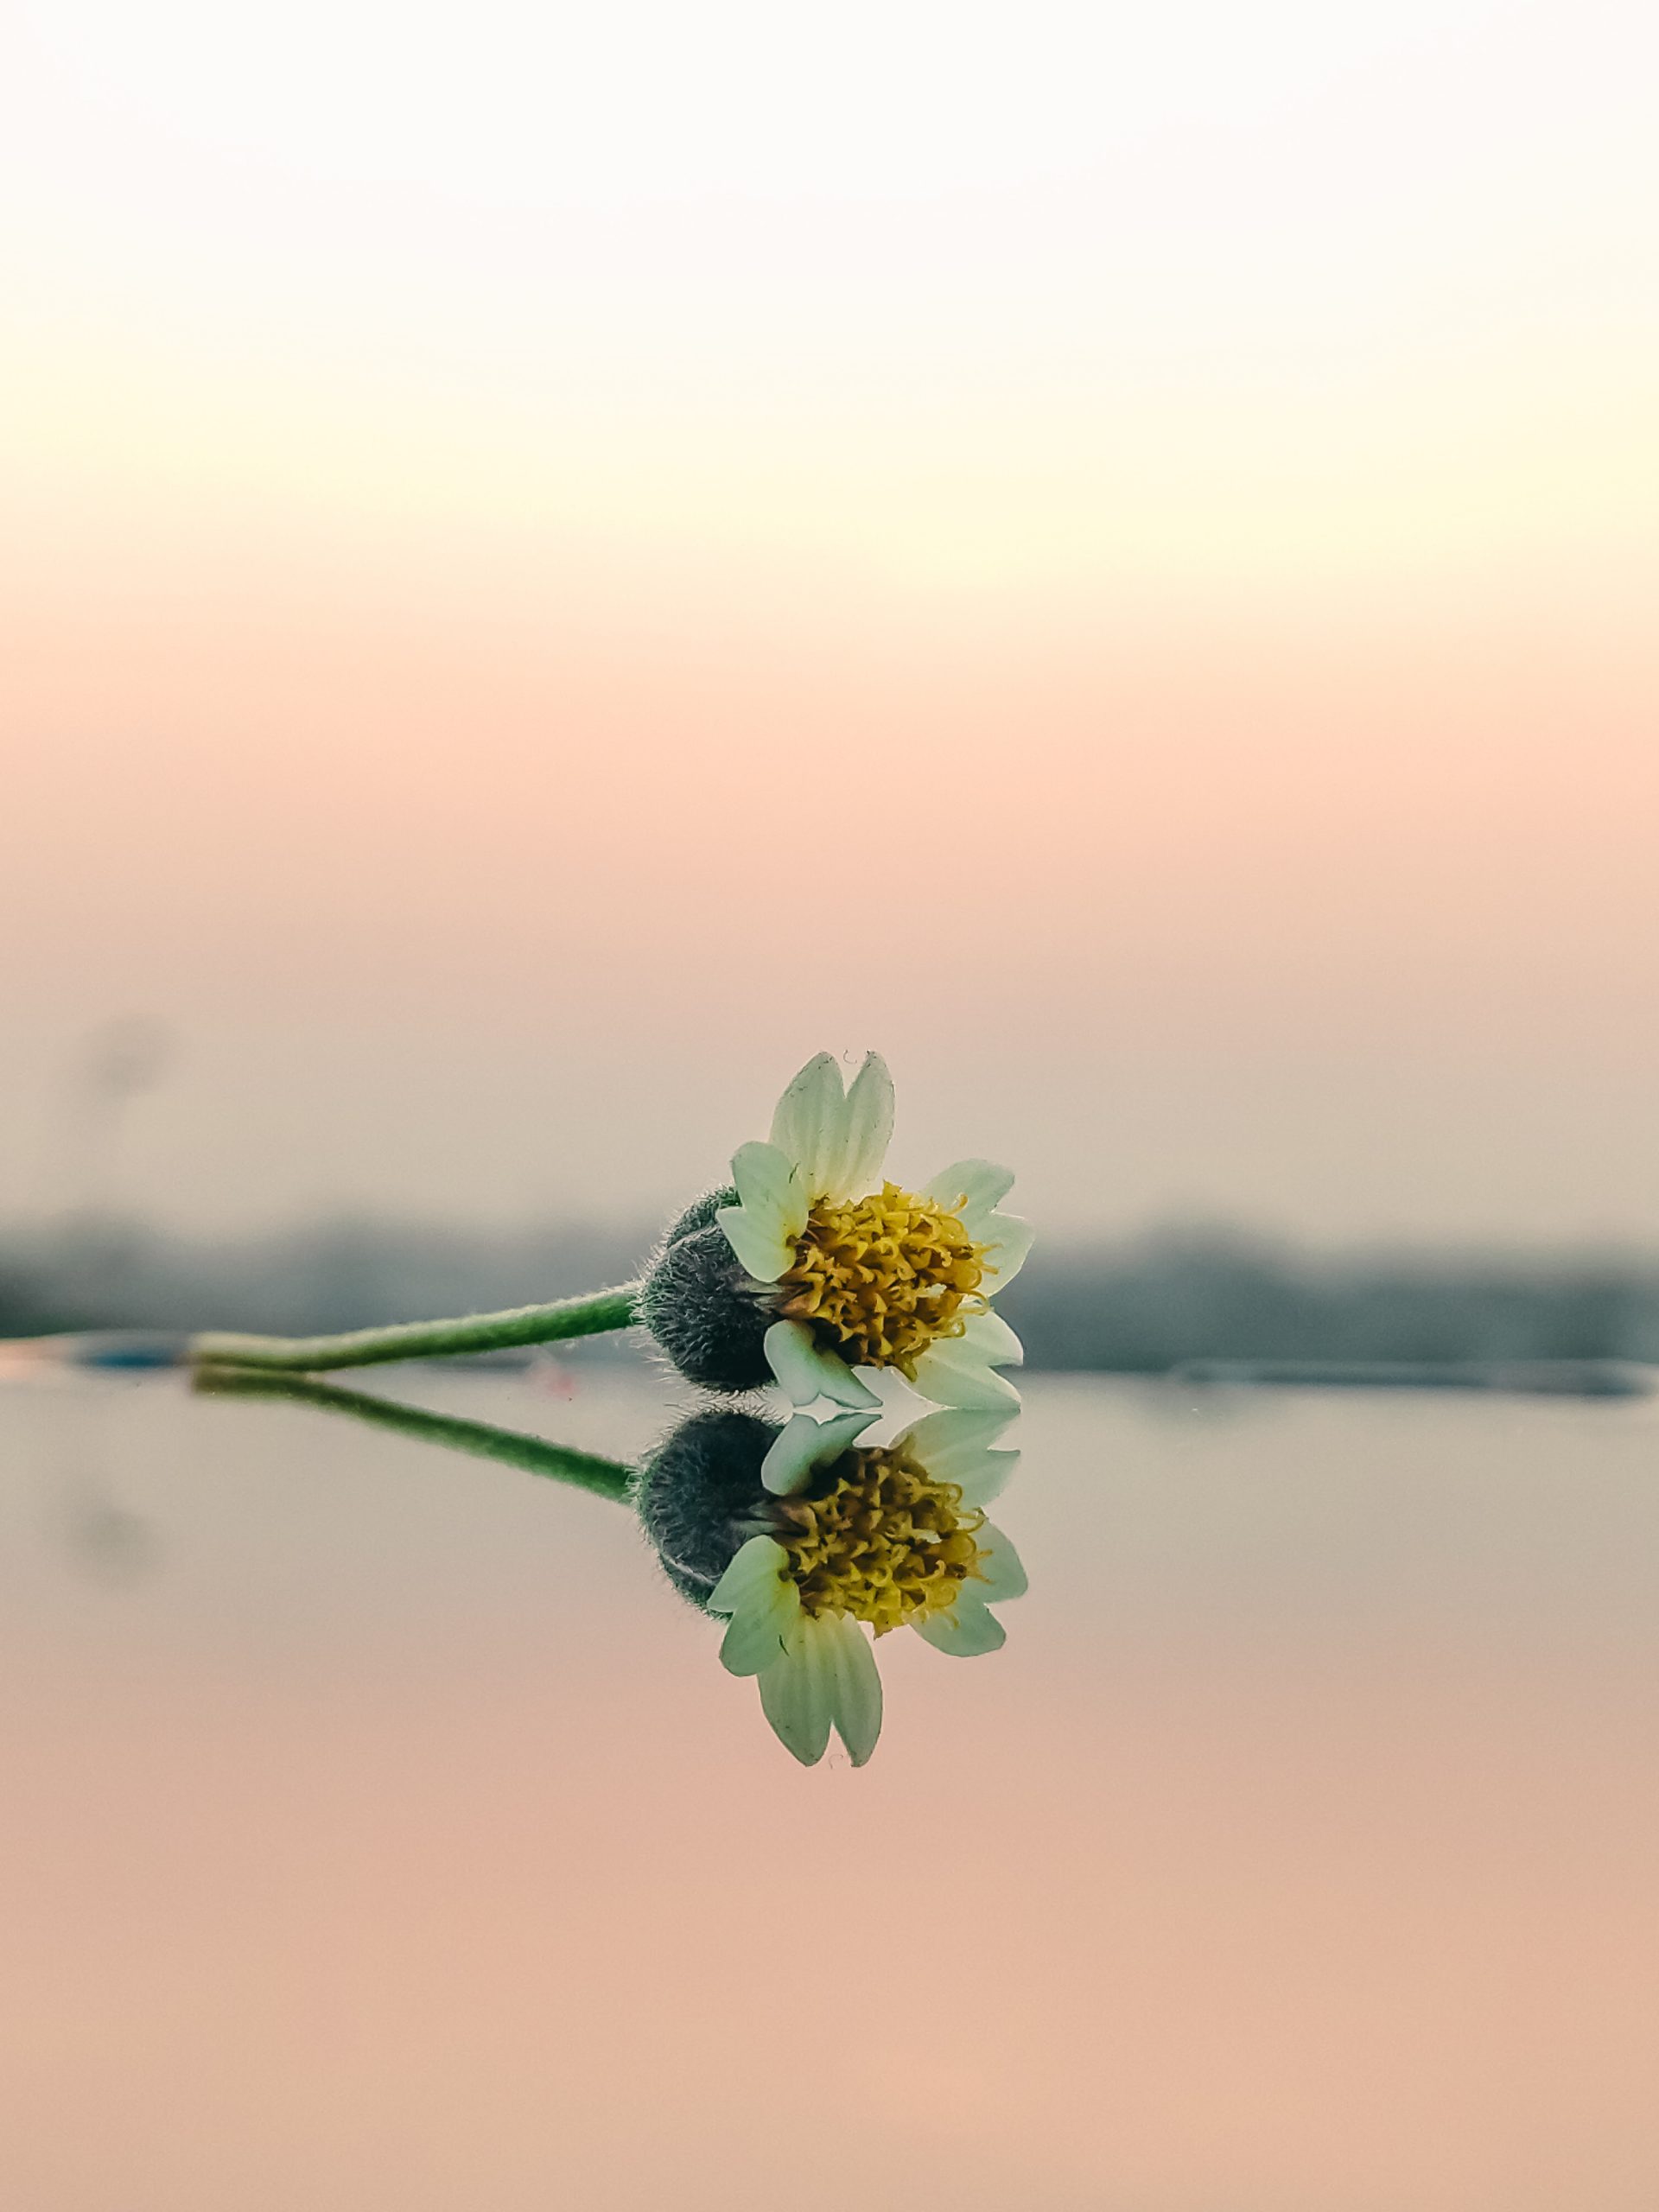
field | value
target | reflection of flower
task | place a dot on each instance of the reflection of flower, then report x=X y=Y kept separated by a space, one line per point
x=895 y=1537
x=836 y=1269
x=799 y=1534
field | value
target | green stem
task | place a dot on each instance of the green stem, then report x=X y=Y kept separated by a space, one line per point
x=587 y=1470
x=523 y=1325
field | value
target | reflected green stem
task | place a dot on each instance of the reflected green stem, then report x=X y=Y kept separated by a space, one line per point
x=586 y=1470
x=523 y=1325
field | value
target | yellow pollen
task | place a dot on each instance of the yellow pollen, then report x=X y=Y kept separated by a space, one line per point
x=884 y=1277
x=887 y=1543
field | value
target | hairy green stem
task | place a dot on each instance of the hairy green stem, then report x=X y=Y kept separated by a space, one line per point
x=511 y=1447
x=523 y=1325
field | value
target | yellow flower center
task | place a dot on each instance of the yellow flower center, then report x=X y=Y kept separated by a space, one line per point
x=885 y=1277
x=887 y=1544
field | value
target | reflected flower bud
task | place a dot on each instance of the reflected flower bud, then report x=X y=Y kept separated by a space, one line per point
x=802 y=1535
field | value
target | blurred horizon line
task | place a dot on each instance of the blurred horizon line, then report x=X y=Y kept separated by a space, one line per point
x=1144 y=1303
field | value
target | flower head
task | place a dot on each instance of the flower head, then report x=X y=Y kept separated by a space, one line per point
x=885 y=1537
x=813 y=1264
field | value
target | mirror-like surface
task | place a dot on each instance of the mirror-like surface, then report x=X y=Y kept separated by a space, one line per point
x=379 y=1830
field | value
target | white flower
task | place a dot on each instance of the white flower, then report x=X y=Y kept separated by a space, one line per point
x=890 y=1538
x=862 y=1273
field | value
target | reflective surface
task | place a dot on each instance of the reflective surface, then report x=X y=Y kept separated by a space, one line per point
x=379 y=1830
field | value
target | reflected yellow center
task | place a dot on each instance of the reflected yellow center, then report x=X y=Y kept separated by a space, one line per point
x=884 y=1277
x=887 y=1544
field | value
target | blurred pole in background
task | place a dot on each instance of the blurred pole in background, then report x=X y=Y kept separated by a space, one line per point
x=112 y=1066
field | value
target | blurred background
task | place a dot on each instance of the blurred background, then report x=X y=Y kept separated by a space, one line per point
x=556 y=563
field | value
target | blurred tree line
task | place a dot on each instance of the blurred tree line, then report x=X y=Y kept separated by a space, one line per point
x=1144 y=1308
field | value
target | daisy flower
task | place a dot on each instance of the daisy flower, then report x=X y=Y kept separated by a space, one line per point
x=813 y=1264
x=856 y=1537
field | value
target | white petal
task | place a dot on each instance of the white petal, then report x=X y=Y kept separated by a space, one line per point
x=810 y=1128
x=806 y=1372
x=770 y=1190
x=1001 y=1575
x=952 y=1375
x=1007 y=1240
x=988 y=1337
x=804 y=1444
x=964 y=1633
x=762 y=1252
x=856 y=1682
x=759 y=1632
x=762 y=1560
x=971 y=1188
x=956 y=1447
x=795 y=1693
x=869 y=1129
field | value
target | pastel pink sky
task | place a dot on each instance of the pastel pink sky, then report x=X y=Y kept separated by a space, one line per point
x=550 y=572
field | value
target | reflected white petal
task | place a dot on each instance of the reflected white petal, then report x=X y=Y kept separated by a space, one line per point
x=965 y=1633
x=763 y=1559
x=857 y=1689
x=1002 y=1573
x=795 y=1694
x=758 y=1635
x=804 y=1444
x=956 y=1447
x=982 y=1485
